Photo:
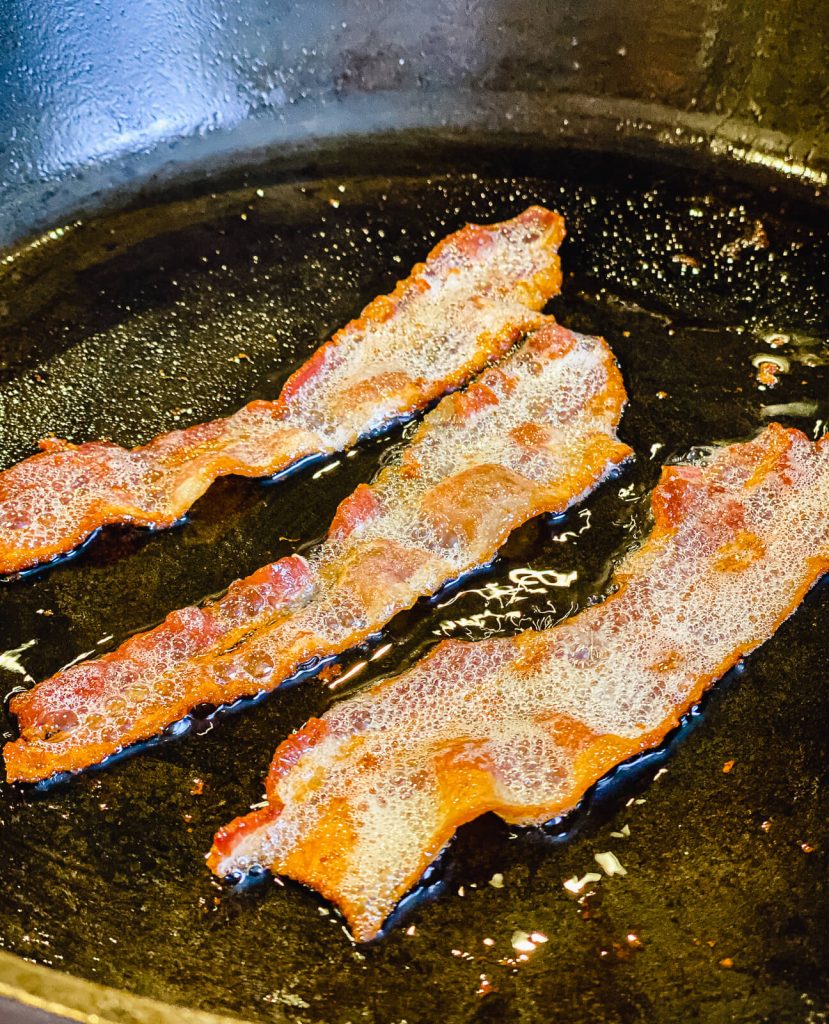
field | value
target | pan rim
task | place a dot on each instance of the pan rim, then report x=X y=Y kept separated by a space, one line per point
x=87 y=1002
x=263 y=146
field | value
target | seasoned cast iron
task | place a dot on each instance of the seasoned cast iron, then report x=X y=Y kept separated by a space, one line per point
x=208 y=293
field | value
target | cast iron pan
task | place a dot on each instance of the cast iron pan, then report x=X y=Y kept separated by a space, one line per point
x=164 y=316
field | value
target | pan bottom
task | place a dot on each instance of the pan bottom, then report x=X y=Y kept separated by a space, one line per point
x=151 y=319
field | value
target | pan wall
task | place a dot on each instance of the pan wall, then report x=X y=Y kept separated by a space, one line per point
x=99 y=102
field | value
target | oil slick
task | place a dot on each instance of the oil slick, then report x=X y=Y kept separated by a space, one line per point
x=10 y=660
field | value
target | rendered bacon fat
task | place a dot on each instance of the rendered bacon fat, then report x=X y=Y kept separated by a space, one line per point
x=363 y=799
x=531 y=435
x=464 y=307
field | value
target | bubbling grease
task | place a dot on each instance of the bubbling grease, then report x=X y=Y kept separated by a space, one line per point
x=532 y=435
x=466 y=305
x=362 y=800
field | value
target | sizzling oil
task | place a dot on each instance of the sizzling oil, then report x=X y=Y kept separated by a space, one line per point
x=157 y=318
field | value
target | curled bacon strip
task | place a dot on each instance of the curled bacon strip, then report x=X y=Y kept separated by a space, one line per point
x=465 y=306
x=529 y=436
x=363 y=799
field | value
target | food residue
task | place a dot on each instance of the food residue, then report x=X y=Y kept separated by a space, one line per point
x=609 y=863
x=576 y=884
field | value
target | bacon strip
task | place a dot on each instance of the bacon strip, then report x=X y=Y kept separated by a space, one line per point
x=465 y=306
x=529 y=436
x=363 y=799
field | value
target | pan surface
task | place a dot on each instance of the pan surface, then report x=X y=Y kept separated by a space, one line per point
x=156 y=318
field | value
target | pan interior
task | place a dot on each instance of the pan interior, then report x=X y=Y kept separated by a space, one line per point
x=160 y=317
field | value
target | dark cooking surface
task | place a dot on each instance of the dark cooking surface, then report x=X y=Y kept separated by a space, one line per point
x=155 y=319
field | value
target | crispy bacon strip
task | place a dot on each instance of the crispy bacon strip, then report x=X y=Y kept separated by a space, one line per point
x=363 y=799
x=529 y=436
x=465 y=306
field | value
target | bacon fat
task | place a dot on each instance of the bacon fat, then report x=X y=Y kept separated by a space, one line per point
x=478 y=290
x=363 y=799
x=531 y=435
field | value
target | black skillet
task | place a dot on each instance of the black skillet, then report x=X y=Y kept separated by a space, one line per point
x=180 y=310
